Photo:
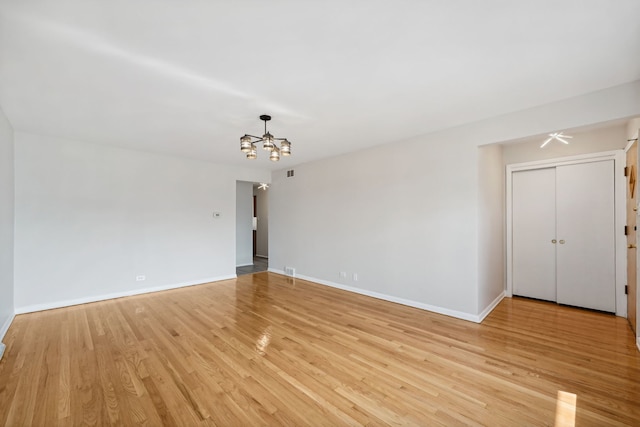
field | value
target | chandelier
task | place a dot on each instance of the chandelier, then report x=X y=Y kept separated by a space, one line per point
x=248 y=144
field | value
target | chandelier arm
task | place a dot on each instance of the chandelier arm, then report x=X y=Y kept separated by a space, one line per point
x=253 y=136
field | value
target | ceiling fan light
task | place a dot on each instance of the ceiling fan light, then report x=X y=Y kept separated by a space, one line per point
x=558 y=136
x=285 y=148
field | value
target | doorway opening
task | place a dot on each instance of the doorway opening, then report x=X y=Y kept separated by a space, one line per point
x=252 y=228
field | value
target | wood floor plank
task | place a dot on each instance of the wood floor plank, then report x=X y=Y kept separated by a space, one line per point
x=265 y=349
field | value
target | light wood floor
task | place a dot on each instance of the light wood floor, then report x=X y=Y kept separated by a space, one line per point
x=269 y=350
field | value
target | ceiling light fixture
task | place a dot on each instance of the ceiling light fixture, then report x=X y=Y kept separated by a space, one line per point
x=248 y=144
x=559 y=136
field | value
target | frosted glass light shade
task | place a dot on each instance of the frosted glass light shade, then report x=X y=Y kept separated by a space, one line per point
x=268 y=141
x=245 y=144
x=285 y=148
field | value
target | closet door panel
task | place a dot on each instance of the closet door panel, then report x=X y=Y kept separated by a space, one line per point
x=585 y=222
x=533 y=228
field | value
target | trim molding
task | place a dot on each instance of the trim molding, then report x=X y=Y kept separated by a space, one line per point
x=638 y=343
x=433 y=308
x=5 y=327
x=96 y=298
x=2 y=349
x=491 y=306
x=262 y=256
x=243 y=265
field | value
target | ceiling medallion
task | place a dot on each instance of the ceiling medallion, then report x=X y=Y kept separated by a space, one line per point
x=248 y=144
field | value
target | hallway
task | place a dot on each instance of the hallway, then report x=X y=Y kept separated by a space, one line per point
x=259 y=264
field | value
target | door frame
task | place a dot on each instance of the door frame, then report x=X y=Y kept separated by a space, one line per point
x=633 y=236
x=619 y=158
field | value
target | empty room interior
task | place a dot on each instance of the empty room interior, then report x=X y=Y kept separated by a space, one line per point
x=319 y=213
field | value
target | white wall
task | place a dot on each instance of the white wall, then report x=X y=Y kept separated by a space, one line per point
x=90 y=218
x=262 y=234
x=244 y=223
x=491 y=226
x=381 y=214
x=6 y=224
x=607 y=138
x=405 y=216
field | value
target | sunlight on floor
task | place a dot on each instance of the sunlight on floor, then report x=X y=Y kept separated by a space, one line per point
x=566 y=409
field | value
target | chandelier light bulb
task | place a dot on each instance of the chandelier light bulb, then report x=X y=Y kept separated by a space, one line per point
x=253 y=153
x=285 y=148
x=267 y=139
x=245 y=144
x=275 y=155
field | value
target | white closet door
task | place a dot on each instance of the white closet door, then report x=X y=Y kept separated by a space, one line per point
x=585 y=222
x=534 y=229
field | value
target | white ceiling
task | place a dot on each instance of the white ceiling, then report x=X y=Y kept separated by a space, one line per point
x=190 y=77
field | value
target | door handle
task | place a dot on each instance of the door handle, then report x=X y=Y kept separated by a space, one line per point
x=631 y=246
x=562 y=242
x=554 y=241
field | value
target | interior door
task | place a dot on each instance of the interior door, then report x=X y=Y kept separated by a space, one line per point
x=534 y=233
x=585 y=232
x=632 y=203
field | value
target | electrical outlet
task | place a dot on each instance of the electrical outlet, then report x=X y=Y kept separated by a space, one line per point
x=290 y=271
x=217 y=214
x=141 y=278
x=343 y=274
x=355 y=277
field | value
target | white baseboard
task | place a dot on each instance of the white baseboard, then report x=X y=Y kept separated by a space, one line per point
x=244 y=265
x=262 y=256
x=96 y=298
x=440 y=310
x=491 y=306
x=3 y=332
x=638 y=343
x=5 y=326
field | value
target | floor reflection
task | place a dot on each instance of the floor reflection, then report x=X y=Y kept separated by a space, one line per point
x=254 y=306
